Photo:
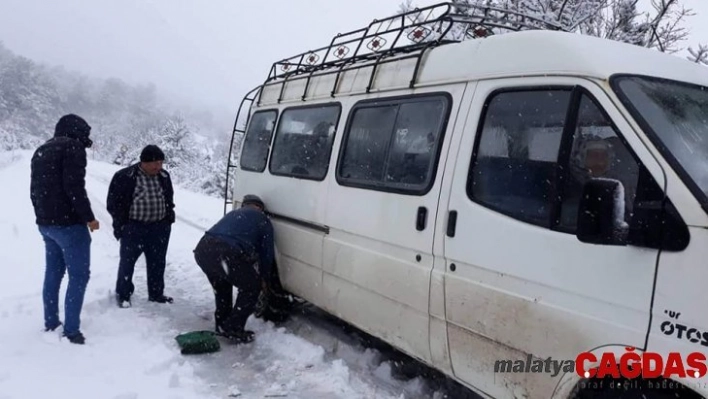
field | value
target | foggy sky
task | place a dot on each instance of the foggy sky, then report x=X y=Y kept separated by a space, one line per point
x=208 y=53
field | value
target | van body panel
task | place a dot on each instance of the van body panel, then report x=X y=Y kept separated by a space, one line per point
x=299 y=245
x=680 y=288
x=570 y=381
x=439 y=345
x=301 y=279
x=379 y=267
x=294 y=89
x=270 y=93
x=299 y=256
x=680 y=323
x=520 y=289
x=439 y=348
x=437 y=289
x=320 y=88
x=392 y=321
x=476 y=369
x=498 y=56
x=375 y=250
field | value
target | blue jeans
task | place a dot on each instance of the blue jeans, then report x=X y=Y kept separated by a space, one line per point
x=138 y=238
x=67 y=248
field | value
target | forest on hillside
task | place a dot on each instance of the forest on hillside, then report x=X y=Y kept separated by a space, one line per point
x=124 y=118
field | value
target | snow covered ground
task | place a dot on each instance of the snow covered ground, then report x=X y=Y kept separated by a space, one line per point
x=131 y=353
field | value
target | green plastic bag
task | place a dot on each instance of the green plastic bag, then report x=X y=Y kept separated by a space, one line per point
x=197 y=342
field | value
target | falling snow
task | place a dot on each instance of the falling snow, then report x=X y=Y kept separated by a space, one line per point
x=132 y=353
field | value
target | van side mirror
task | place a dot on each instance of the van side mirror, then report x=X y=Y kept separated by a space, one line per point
x=601 y=213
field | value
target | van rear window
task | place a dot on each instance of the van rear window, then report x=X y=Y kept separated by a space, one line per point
x=303 y=142
x=256 y=145
x=393 y=145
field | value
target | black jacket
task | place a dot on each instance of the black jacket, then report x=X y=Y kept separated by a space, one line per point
x=120 y=196
x=249 y=230
x=58 y=187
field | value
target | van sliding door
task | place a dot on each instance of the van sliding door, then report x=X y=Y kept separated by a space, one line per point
x=382 y=211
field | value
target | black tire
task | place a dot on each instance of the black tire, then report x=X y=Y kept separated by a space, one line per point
x=277 y=304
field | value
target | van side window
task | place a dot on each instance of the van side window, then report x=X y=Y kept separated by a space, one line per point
x=256 y=144
x=596 y=152
x=393 y=145
x=514 y=166
x=524 y=167
x=367 y=143
x=303 y=142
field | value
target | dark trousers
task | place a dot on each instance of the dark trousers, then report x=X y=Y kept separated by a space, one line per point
x=227 y=267
x=152 y=240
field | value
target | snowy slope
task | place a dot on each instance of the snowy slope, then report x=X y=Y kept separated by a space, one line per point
x=131 y=353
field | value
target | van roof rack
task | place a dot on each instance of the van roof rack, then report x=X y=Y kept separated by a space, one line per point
x=426 y=27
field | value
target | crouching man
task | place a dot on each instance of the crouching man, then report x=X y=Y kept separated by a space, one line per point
x=237 y=252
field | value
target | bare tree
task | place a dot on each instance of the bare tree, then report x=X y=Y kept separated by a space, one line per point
x=663 y=28
x=700 y=55
x=666 y=29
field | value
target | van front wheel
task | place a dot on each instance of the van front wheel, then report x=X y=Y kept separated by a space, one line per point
x=276 y=304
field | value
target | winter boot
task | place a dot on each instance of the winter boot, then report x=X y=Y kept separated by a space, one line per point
x=238 y=336
x=161 y=299
x=123 y=302
x=219 y=330
x=77 y=338
x=47 y=329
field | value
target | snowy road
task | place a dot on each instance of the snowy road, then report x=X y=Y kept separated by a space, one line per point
x=131 y=353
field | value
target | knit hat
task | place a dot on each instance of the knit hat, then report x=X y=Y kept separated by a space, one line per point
x=152 y=153
x=75 y=127
x=253 y=199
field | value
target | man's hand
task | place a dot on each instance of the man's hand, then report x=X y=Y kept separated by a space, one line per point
x=93 y=225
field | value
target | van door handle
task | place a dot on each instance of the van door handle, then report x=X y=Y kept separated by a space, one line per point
x=451 y=223
x=421 y=218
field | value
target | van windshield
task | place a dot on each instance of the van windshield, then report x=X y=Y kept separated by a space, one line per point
x=675 y=117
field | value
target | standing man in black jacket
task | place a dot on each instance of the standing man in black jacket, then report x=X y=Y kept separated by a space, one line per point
x=64 y=217
x=141 y=203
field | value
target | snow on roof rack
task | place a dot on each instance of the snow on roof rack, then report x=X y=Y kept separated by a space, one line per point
x=423 y=28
